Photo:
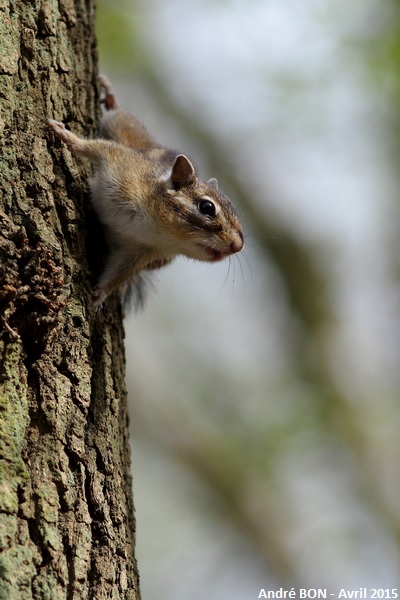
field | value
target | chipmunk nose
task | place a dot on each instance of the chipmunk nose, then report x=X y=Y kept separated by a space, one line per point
x=238 y=243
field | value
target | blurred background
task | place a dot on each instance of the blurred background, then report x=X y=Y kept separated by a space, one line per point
x=265 y=390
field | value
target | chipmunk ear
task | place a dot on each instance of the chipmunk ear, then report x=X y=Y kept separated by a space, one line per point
x=213 y=183
x=182 y=172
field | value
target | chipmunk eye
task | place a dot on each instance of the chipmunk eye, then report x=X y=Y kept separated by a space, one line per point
x=206 y=207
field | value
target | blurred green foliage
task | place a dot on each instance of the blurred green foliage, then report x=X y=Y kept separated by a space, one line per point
x=380 y=49
x=119 y=49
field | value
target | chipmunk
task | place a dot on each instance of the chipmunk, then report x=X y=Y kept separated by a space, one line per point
x=150 y=199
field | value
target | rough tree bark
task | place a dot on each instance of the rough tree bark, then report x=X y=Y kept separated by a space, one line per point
x=66 y=510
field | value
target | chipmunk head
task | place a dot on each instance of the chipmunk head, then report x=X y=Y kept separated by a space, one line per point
x=201 y=219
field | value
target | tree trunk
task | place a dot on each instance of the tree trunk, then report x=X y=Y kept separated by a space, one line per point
x=66 y=510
